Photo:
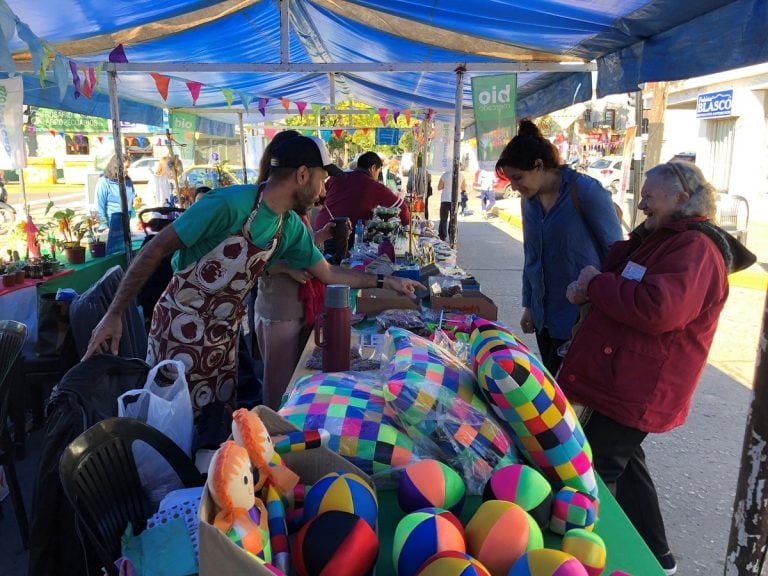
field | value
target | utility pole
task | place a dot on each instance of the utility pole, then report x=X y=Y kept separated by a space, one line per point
x=656 y=122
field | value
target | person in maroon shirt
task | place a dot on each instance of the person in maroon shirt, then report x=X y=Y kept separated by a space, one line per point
x=359 y=193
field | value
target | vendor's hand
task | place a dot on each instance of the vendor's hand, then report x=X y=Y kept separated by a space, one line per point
x=585 y=276
x=325 y=233
x=105 y=338
x=575 y=294
x=404 y=286
x=300 y=275
x=526 y=321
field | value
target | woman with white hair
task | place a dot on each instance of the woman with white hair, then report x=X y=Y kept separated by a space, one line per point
x=636 y=359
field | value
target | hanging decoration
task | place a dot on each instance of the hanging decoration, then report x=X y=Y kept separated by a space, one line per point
x=316 y=110
x=263 y=106
x=52 y=133
x=194 y=90
x=365 y=130
x=75 y=78
x=338 y=133
x=87 y=89
x=48 y=58
x=286 y=104
x=395 y=115
x=100 y=139
x=118 y=55
x=301 y=106
x=161 y=82
x=325 y=135
x=351 y=131
x=246 y=100
x=60 y=75
x=270 y=132
x=383 y=116
x=407 y=117
x=33 y=42
x=7 y=25
x=228 y=95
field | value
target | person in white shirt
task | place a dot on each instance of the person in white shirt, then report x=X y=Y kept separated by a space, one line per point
x=445 y=185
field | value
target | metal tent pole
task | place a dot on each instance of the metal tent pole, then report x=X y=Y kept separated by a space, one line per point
x=452 y=226
x=115 y=112
x=242 y=147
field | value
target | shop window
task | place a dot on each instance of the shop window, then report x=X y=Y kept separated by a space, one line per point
x=77 y=145
x=610 y=118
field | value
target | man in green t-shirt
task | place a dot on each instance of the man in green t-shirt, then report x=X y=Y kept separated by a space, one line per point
x=220 y=246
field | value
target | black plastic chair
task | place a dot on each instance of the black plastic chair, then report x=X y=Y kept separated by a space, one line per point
x=99 y=476
x=12 y=337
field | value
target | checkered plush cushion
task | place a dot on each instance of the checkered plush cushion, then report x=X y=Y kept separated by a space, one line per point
x=351 y=407
x=524 y=394
x=433 y=394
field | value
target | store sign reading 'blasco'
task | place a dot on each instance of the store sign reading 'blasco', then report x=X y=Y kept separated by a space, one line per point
x=714 y=104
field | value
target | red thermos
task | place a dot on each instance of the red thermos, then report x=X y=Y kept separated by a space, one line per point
x=333 y=329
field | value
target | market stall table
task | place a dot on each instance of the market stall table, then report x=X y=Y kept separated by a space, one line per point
x=626 y=549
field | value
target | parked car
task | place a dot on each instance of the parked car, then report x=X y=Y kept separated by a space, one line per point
x=142 y=169
x=501 y=186
x=216 y=176
x=608 y=171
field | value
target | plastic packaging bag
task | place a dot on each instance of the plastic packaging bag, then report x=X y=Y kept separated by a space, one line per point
x=165 y=404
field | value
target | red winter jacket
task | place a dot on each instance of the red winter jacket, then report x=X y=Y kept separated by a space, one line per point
x=642 y=347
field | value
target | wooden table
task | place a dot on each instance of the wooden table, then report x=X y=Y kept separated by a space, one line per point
x=626 y=549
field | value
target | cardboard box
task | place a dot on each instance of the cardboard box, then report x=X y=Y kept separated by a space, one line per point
x=471 y=302
x=375 y=300
x=218 y=554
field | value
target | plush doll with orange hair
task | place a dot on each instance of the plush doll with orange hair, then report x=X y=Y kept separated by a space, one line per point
x=242 y=516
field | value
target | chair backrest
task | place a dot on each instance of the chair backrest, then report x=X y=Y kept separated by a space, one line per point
x=99 y=476
x=12 y=337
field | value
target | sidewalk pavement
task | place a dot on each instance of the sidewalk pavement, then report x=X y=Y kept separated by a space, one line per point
x=755 y=277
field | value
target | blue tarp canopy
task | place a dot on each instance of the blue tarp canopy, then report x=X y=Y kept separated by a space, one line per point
x=630 y=42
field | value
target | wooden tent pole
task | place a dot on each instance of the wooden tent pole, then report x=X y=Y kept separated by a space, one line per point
x=116 y=136
x=748 y=542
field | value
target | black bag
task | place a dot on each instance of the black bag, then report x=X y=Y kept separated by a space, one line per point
x=52 y=324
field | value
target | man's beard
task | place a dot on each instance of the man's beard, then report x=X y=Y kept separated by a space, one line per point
x=303 y=200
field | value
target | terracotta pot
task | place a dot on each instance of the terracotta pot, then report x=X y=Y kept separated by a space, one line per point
x=9 y=279
x=75 y=254
x=98 y=249
x=20 y=275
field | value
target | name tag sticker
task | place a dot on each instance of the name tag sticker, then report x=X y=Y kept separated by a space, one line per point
x=634 y=271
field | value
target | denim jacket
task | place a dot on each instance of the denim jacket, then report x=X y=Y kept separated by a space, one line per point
x=562 y=242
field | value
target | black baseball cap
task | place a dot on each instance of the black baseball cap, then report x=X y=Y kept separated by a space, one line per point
x=309 y=151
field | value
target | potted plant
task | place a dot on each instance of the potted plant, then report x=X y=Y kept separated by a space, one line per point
x=97 y=247
x=72 y=229
x=9 y=275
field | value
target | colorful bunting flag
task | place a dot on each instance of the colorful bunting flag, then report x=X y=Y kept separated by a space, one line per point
x=316 y=109
x=407 y=117
x=228 y=95
x=301 y=106
x=118 y=55
x=161 y=82
x=270 y=132
x=325 y=135
x=365 y=130
x=351 y=131
x=52 y=133
x=383 y=116
x=395 y=115
x=87 y=89
x=194 y=90
x=245 y=99
x=263 y=106
x=100 y=139
x=286 y=104
x=338 y=133
x=75 y=77
x=60 y=75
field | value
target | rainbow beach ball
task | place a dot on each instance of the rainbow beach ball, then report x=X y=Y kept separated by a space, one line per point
x=422 y=534
x=523 y=485
x=572 y=509
x=337 y=543
x=343 y=492
x=452 y=563
x=430 y=483
x=499 y=533
x=588 y=547
x=547 y=562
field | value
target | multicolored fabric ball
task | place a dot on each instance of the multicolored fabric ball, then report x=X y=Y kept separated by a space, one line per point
x=452 y=563
x=573 y=509
x=430 y=483
x=337 y=543
x=344 y=492
x=523 y=393
x=588 y=547
x=422 y=534
x=547 y=562
x=499 y=533
x=524 y=486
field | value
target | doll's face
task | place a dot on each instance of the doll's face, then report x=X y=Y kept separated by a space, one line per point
x=230 y=478
x=240 y=484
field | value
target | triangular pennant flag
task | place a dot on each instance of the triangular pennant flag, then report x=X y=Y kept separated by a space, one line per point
x=62 y=134
x=100 y=139
x=301 y=106
x=52 y=133
x=325 y=135
x=47 y=58
x=246 y=100
x=383 y=116
x=338 y=133
x=159 y=142
x=316 y=109
x=75 y=77
x=263 y=106
x=87 y=90
x=118 y=55
x=365 y=130
x=270 y=132
x=96 y=75
x=351 y=131
x=161 y=82
x=286 y=104
x=407 y=117
x=430 y=113
x=417 y=129
x=60 y=75
x=7 y=26
x=33 y=42
x=395 y=115
x=307 y=132
x=194 y=89
x=92 y=78
x=228 y=95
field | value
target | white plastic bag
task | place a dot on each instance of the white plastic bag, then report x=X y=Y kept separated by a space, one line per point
x=165 y=404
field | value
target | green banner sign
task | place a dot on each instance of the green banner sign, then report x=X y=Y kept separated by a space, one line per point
x=60 y=121
x=183 y=128
x=495 y=103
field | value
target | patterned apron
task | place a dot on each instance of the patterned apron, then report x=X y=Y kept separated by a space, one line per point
x=197 y=319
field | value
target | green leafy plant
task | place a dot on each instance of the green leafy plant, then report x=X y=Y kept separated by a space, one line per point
x=71 y=226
